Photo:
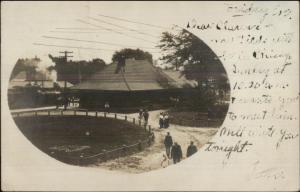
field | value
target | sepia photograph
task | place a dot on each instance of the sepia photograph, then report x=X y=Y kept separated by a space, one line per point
x=136 y=112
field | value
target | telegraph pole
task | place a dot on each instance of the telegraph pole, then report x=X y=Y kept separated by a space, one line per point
x=66 y=55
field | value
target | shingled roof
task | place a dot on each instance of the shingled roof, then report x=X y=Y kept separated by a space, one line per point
x=138 y=75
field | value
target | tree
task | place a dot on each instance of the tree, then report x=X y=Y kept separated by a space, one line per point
x=27 y=65
x=75 y=71
x=138 y=54
x=186 y=50
x=198 y=62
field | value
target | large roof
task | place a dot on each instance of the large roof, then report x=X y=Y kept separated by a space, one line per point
x=138 y=75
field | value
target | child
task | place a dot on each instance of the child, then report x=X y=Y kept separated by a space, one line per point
x=165 y=162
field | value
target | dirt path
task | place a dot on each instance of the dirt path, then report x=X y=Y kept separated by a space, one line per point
x=151 y=158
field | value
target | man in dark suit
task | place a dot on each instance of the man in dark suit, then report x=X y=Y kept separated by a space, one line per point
x=192 y=149
x=168 y=143
x=176 y=153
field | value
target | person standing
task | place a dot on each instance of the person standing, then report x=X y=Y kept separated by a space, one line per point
x=66 y=102
x=192 y=149
x=166 y=120
x=146 y=117
x=141 y=115
x=161 y=120
x=106 y=107
x=168 y=143
x=58 y=102
x=176 y=153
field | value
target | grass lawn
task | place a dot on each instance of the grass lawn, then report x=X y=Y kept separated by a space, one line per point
x=193 y=119
x=73 y=136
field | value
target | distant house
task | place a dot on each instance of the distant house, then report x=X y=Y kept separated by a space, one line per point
x=37 y=90
x=138 y=83
x=40 y=79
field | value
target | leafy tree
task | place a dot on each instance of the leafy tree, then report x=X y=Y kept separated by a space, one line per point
x=186 y=50
x=27 y=65
x=197 y=61
x=75 y=71
x=138 y=54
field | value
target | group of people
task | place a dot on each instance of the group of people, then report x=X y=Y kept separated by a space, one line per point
x=163 y=120
x=173 y=150
x=144 y=115
x=62 y=100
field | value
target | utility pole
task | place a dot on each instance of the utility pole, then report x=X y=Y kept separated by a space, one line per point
x=66 y=60
x=66 y=54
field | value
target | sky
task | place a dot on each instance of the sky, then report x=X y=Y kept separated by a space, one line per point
x=31 y=25
x=28 y=25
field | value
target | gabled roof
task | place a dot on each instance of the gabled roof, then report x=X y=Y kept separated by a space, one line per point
x=137 y=75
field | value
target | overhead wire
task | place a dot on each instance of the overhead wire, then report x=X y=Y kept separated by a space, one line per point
x=98 y=42
x=112 y=30
x=131 y=21
x=73 y=47
x=122 y=27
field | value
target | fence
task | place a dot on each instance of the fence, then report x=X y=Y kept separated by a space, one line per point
x=104 y=155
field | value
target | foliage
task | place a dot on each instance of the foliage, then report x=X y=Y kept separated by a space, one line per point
x=138 y=54
x=75 y=71
x=196 y=61
x=187 y=51
x=27 y=65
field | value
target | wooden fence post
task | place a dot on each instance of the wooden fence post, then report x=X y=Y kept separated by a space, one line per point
x=35 y=113
x=125 y=117
x=96 y=114
x=104 y=155
x=115 y=116
x=140 y=122
x=75 y=112
x=104 y=114
x=124 y=149
x=86 y=113
x=133 y=120
x=140 y=145
x=48 y=113
x=61 y=112
x=149 y=128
